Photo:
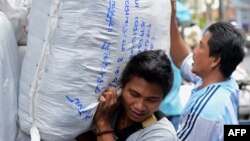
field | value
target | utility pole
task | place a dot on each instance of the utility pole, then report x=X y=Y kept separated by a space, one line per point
x=209 y=10
x=222 y=10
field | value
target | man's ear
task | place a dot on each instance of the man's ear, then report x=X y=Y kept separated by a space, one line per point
x=215 y=61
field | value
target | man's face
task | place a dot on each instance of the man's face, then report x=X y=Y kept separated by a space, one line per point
x=141 y=99
x=202 y=61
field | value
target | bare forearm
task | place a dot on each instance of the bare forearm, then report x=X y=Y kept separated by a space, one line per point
x=106 y=137
x=104 y=132
x=178 y=49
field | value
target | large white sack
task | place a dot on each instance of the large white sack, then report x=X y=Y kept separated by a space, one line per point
x=10 y=68
x=76 y=49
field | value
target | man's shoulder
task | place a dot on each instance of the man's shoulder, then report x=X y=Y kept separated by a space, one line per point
x=213 y=101
x=223 y=103
x=162 y=124
x=161 y=129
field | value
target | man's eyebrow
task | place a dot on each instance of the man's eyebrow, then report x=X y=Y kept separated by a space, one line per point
x=131 y=90
x=155 y=97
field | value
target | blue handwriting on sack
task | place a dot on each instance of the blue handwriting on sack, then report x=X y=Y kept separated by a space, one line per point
x=86 y=115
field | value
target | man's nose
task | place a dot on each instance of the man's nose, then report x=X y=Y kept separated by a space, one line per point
x=140 y=105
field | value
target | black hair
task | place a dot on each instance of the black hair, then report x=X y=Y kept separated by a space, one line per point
x=153 y=66
x=227 y=43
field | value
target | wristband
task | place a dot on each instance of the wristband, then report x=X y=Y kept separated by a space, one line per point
x=107 y=131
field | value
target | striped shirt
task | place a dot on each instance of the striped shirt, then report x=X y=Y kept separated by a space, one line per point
x=208 y=109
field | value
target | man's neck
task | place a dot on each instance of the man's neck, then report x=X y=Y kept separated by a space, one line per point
x=123 y=121
x=212 y=78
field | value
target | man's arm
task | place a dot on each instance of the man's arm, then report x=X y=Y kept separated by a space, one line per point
x=178 y=49
x=104 y=113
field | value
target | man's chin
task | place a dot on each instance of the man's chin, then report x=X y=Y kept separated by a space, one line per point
x=136 y=119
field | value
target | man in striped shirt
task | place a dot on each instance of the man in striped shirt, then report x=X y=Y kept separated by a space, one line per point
x=214 y=99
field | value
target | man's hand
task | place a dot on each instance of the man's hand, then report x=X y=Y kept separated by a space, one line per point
x=106 y=109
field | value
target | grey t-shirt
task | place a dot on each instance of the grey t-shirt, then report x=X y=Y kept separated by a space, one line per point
x=162 y=130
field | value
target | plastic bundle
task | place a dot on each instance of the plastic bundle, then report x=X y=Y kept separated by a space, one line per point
x=10 y=68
